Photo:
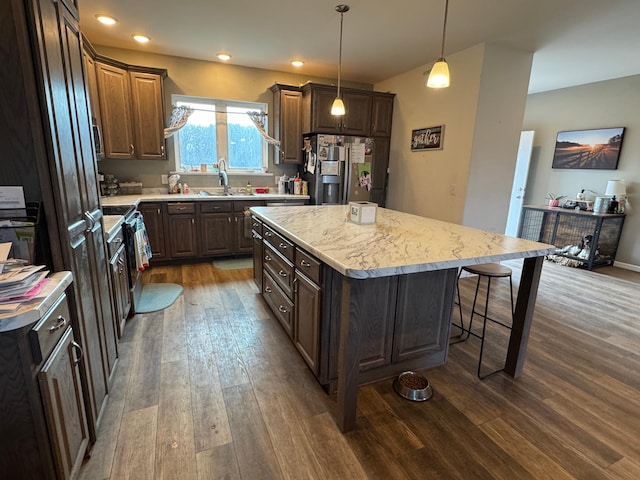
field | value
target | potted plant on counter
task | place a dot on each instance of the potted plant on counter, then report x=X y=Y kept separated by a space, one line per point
x=554 y=200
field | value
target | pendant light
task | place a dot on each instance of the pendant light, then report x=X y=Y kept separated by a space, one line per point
x=439 y=76
x=337 y=108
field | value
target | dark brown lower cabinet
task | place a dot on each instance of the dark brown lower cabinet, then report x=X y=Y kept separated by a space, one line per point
x=153 y=214
x=306 y=336
x=64 y=406
x=44 y=432
x=183 y=237
x=404 y=328
x=216 y=229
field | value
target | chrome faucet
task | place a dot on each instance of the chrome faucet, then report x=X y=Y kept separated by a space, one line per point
x=222 y=173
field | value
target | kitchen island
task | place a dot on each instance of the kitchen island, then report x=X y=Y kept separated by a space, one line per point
x=417 y=260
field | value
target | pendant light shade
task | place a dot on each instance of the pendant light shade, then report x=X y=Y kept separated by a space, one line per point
x=439 y=76
x=337 y=108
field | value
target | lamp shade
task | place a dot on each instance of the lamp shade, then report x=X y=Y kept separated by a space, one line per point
x=439 y=76
x=337 y=108
x=616 y=187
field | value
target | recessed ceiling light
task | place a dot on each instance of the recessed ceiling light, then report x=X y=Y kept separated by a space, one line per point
x=106 y=19
x=224 y=57
x=140 y=38
x=297 y=63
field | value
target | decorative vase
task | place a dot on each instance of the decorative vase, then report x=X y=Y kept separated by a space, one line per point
x=554 y=203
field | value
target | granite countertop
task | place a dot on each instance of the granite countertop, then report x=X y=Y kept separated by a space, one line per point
x=399 y=243
x=31 y=311
x=126 y=200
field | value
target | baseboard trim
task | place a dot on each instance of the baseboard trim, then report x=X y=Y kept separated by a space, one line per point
x=626 y=266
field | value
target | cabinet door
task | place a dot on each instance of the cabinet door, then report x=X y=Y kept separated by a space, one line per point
x=72 y=168
x=306 y=332
x=217 y=233
x=148 y=115
x=380 y=162
x=64 y=406
x=183 y=241
x=288 y=126
x=154 y=224
x=321 y=118
x=257 y=261
x=357 y=120
x=381 y=115
x=115 y=108
x=243 y=237
x=92 y=88
x=120 y=282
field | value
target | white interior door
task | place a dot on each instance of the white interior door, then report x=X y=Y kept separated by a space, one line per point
x=519 y=182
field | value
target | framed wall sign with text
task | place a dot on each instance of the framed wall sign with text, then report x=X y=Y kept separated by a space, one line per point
x=427 y=138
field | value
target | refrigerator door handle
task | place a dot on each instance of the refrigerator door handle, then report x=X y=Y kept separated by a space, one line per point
x=347 y=179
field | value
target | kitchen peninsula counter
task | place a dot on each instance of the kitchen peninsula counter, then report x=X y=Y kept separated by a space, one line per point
x=135 y=200
x=422 y=256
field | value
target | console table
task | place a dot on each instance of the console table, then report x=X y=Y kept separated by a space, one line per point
x=586 y=239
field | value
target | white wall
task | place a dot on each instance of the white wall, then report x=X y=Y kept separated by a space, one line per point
x=614 y=103
x=469 y=180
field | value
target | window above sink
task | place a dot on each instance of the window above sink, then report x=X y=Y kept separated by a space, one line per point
x=218 y=129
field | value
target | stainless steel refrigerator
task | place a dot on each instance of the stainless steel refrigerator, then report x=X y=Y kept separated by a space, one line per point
x=337 y=168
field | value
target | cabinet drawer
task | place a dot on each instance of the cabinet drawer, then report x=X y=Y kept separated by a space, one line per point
x=309 y=266
x=278 y=242
x=242 y=205
x=281 y=306
x=181 y=207
x=115 y=242
x=279 y=268
x=46 y=333
x=215 y=207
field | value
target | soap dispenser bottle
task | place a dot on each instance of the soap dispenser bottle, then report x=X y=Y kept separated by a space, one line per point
x=248 y=188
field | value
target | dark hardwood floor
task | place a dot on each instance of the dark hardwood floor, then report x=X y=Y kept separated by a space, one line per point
x=212 y=388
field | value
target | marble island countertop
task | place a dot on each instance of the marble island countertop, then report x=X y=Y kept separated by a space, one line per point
x=399 y=243
x=111 y=224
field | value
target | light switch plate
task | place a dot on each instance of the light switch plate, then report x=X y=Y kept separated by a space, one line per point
x=164 y=179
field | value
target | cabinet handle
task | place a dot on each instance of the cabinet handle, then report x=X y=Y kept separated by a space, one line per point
x=158 y=210
x=255 y=225
x=282 y=309
x=236 y=219
x=181 y=208
x=282 y=273
x=304 y=263
x=89 y=221
x=61 y=323
x=117 y=241
x=133 y=150
x=267 y=258
x=193 y=221
x=229 y=218
x=79 y=350
x=162 y=149
x=283 y=246
x=267 y=289
x=268 y=234
x=295 y=285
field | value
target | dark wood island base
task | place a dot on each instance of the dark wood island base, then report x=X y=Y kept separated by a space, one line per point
x=369 y=316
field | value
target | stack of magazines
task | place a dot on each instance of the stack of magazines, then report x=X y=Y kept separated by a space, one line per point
x=20 y=282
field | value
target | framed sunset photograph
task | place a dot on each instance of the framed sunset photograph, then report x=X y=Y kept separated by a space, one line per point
x=596 y=149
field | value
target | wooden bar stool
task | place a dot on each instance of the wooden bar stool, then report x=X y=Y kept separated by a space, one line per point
x=488 y=271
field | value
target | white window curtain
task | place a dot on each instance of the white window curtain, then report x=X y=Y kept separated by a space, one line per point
x=178 y=119
x=258 y=120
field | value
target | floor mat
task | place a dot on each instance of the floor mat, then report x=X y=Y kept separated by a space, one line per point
x=233 y=263
x=157 y=296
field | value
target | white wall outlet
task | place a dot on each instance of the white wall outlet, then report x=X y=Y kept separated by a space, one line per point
x=164 y=179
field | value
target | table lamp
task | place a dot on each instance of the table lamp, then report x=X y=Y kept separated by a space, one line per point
x=616 y=187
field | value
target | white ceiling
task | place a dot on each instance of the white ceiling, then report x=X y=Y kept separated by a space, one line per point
x=575 y=41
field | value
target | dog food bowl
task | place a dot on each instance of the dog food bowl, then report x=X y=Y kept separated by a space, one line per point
x=413 y=386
